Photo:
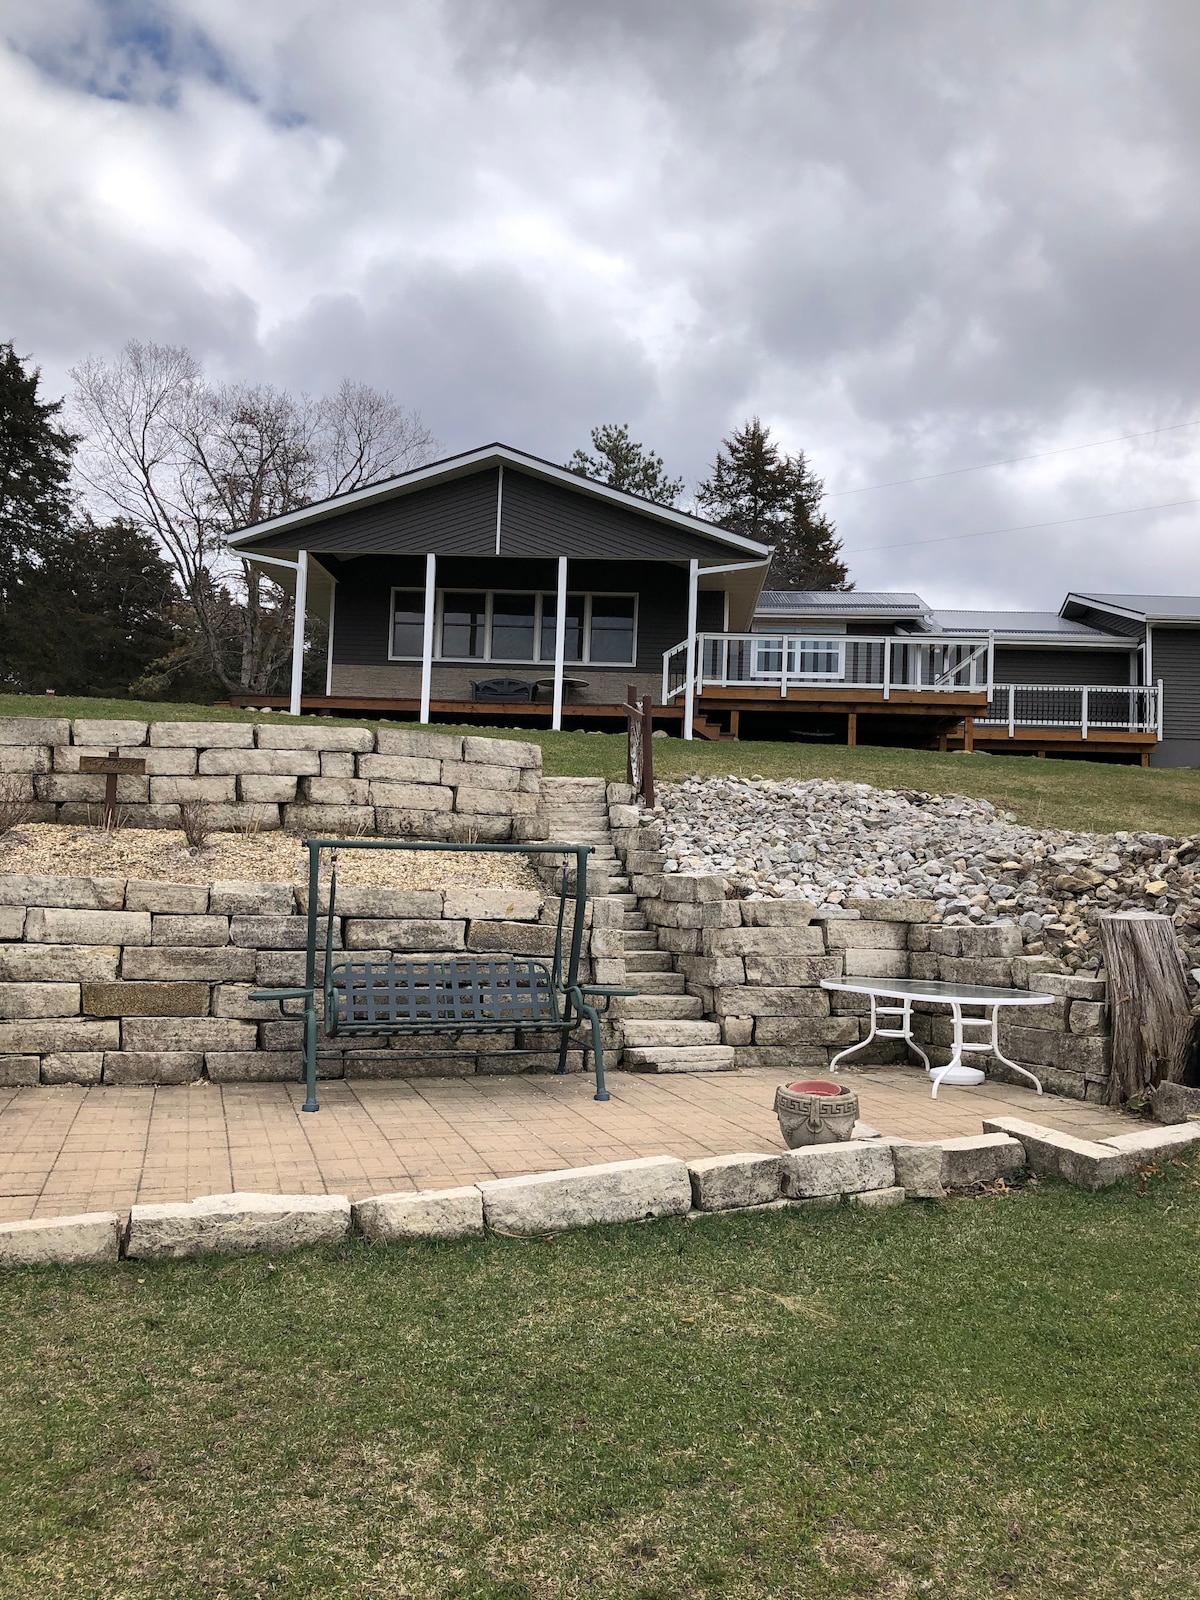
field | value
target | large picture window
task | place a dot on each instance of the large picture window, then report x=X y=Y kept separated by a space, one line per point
x=516 y=626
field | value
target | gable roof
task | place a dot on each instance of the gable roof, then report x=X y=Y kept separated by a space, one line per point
x=1044 y=627
x=1142 y=607
x=840 y=602
x=486 y=457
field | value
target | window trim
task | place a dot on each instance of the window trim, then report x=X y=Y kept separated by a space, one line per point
x=545 y=602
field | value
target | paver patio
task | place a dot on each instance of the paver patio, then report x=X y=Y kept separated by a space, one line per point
x=65 y=1150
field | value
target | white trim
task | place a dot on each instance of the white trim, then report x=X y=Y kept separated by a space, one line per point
x=460 y=466
x=329 y=650
x=427 y=628
x=1149 y=649
x=499 y=502
x=298 y=632
x=689 y=694
x=1160 y=686
x=560 y=641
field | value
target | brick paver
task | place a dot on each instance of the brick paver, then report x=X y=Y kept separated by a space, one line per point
x=68 y=1149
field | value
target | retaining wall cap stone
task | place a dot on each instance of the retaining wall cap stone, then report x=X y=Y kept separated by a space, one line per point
x=1156 y=1141
x=727 y=1183
x=72 y=894
x=427 y=1214
x=92 y=1236
x=578 y=1197
x=1049 y=1153
x=233 y=1224
x=831 y=1169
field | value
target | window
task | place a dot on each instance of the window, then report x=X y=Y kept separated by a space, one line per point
x=408 y=622
x=517 y=627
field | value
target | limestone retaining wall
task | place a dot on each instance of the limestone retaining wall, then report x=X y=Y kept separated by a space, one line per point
x=104 y=980
x=305 y=777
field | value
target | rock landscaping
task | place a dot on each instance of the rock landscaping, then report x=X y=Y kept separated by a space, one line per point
x=836 y=842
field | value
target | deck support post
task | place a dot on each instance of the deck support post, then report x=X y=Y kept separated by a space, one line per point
x=968 y=733
x=689 y=693
x=298 y=632
x=427 y=634
x=852 y=727
x=560 y=642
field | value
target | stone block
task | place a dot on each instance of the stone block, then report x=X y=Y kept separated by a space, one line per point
x=804 y=940
x=693 y=887
x=724 y=1183
x=335 y=791
x=918 y=1169
x=786 y=972
x=806 y=1030
x=511 y=938
x=501 y=752
x=34 y=730
x=83 y=1068
x=88 y=1239
x=1088 y=1016
x=876 y=963
x=258 y=1066
x=480 y=828
x=261 y=763
x=749 y=1001
x=145 y=999
x=276 y=932
x=404 y=934
x=170 y=964
x=897 y=909
x=329 y=822
x=1071 y=986
x=617 y=1191
x=12 y=922
x=189 y=1034
x=737 y=1030
x=923 y=965
x=494 y=905
x=848 y=1168
x=879 y=1199
x=646 y=885
x=239 y=898
x=361 y=900
x=250 y=817
x=686 y=914
x=918 y=937
x=107 y=734
x=648 y=861
x=1169 y=1102
x=1155 y=1144
x=789 y=913
x=176 y=791
x=24 y=759
x=477 y=775
x=213 y=735
x=234 y=1224
x=995 y=971
x=1027 y=968
x=493 y=803
x=418 y=742
x=39 y=1000
x=177 y=899
x=37 y=1035
x=1081 y=1162
x=1068 y=1085
x=411 y=796
x=428 y=1214
x=866 y=935
x=58 y=963
x=255 y=789
x=159 y=763
x=679 y=941
x=991 y=941
x=233 y=1000
x=17 y=1072
x=1050 y=1018
x=338 y=764
x=147 y=1067
x=307 y=736
x=607 y=942
x=400 y=769
x=792 y=1059
x=76 y=894
x=979 y=1158
x=717 y=971
x=191 y=931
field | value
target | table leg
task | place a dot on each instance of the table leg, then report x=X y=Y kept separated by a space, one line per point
x=1000 y=1056
x=908 y=1035
x=938 y=1073
x=862 y=1043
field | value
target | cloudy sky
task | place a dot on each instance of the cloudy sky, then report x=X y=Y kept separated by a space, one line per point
x=913 y=236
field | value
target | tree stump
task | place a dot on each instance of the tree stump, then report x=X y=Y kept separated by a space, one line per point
x=1148 y=999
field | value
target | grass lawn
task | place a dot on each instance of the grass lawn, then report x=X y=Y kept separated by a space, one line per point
x=1088 y=795
x=986 y=1398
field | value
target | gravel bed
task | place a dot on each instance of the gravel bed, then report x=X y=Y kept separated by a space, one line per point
x=165 y=856
x=830 y=842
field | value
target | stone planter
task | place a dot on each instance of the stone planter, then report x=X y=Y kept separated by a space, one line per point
x=815 y=1112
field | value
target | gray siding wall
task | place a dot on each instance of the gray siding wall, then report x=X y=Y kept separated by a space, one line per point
x=1026 y=664
x=458 y=517
x=544 y=519
x=1175 y=658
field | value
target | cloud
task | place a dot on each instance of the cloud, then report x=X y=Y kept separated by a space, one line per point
x=911 y=238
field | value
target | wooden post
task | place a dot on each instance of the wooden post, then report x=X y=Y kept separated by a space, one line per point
x=968 y=733
x=112 y=766
x=630 y=700
x=943 y=740
x=735 y=723
x=647 y=752
x=852 y=727
x=1148 y=998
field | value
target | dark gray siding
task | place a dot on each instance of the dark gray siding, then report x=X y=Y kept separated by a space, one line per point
x=548 y=519
x=1108 y=623
x=710 y=612
x=1027 y=664
x=458 y=518
x=1175 y=658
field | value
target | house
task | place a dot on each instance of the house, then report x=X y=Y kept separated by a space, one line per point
x=495 y=586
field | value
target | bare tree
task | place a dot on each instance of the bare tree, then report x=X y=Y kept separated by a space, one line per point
x=191 y=462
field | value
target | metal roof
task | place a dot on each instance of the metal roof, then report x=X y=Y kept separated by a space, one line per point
x=842 y=601
x=1152 y=607
x=1026 y=625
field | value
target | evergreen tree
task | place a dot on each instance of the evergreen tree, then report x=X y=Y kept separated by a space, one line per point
x=623 y=463
x=762 y=493
x=35 y=465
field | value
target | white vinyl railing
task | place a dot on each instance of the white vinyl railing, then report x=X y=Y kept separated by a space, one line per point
x=785 y=660
x=1132 y=708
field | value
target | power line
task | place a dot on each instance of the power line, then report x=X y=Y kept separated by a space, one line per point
x=1012 y=461
x=1024 y=527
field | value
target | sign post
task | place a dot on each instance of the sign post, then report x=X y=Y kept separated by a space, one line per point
x=113 y=766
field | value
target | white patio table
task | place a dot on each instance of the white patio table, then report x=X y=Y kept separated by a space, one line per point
x=906 y=991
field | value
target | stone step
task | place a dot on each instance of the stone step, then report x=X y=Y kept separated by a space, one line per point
x=626 y=897
x=657 y=982
x=635 y=922
x=704 y=1058
x=576 y=783
x=643 y=1007
x=641 y=939
x=648 y=961
x=643 y=1035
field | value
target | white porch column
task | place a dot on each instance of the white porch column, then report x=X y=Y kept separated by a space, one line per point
x=560 y=642
x=298 y=632
x=427 y=634
x=329 y=647
x=689 y=697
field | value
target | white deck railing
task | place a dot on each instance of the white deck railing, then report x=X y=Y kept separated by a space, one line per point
x=786 y=661
x=1135 y=708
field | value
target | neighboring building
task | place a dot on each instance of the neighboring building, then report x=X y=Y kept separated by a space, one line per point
x=496 y=586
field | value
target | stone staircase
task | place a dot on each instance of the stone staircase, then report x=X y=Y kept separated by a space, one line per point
x=662 y=1025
